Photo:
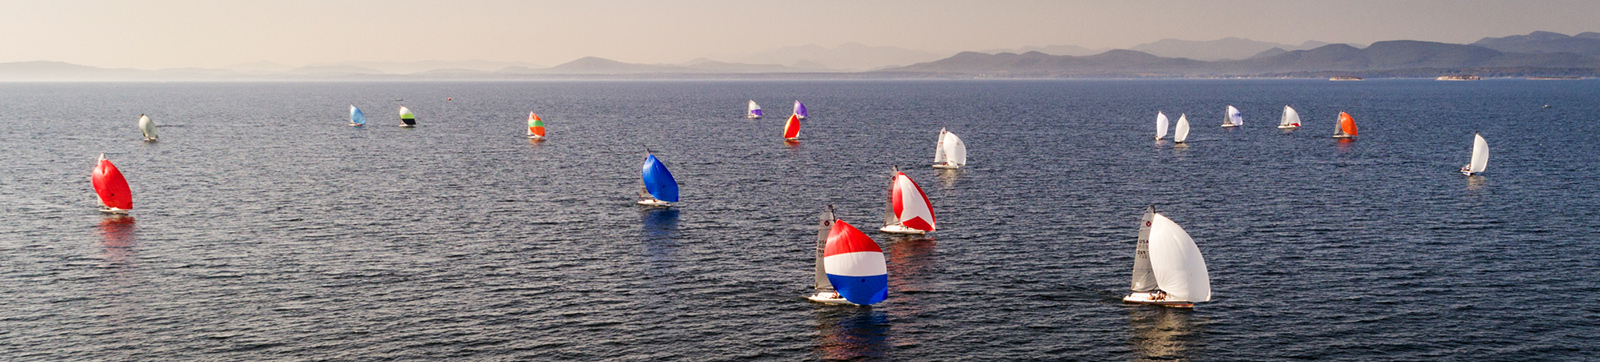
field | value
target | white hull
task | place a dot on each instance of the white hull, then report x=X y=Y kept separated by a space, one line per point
x=1343 y=136
x=535 y=138
x=1288 y=127
x=792 y=139
x=753 y=117
x=408 y=126
x=356 y=125
x=946 y=166
x=1149 y=298
x=148 y=139
x=901 y=229
x=114 y=211
x=829 y=298
x=1228 y=126
x=655 y=203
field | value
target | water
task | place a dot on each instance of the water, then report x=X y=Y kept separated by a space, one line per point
x=264 y=228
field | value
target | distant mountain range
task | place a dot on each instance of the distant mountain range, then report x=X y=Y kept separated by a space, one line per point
x=1535 y=54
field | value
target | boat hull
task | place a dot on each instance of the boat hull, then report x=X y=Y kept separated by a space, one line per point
x=1288 y=127
x=1149 y=298
x=114 y=211
x=946 y=166
x=1229 y=126
x=1343 y=136
x=408 y=126
x=753 y=117
x=655 y=203
x=536 y=138
x=829 y=298
x=901 y=229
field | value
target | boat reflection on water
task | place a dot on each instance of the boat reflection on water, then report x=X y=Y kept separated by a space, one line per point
x=659 y=233
x=119 y=239
x=1345 y=143
x=852 y=333
x=791 y=143
x=1476 y=183
x=1159 y=333
x=949 y=176
x=534 y=143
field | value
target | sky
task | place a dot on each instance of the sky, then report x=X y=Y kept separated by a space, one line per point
x=212 y=34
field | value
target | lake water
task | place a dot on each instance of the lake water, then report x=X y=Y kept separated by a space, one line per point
x=265 y=228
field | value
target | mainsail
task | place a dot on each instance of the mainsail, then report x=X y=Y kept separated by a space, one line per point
x=823 y=229
x=1144 y=279
x=1290 y=117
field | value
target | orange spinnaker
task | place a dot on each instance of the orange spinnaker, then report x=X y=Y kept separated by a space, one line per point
x=535 y=125
x=1347 y=124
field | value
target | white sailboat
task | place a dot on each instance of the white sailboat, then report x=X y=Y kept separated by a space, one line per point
x=1480 y=156
x=1291 y=119
x=949 y=153
x=1161 y=125
x=1168 y=269
x=907 y=210
x=1233 y=119
x=148 y=128
x=754 y=111
x=1180 y=132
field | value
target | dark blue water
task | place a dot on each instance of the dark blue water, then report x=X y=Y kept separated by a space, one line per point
x=264 y=228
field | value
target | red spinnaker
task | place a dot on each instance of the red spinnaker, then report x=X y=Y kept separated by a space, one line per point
x=111 y=186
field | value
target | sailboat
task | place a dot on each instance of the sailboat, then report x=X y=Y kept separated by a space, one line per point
x=1346 y=127
x=112 y=187
x=147 y=127
x=1161 y=125
x=791 y=128
x=1291 y=119
x=656 y=185
x=754 y=112
x=949 y=153
x=535 y=127
x=407 y=119
x=1168 y=269
x=1180 y=132
x=1480 y=156
x=356 y=117
x=800 y=110
x=907 y=210
x=851 y=268
x=1233 y=119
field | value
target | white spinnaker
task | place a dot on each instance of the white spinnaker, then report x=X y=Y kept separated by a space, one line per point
x=938 y=148
x=147 y=127
x=913 y=203
x=1180 y=132
x=1289 y=116
x=1234 y=117
x=1480 y=154
x=1161 y=125
x=1179 y=268
x=1144 y=278
x=955 y=151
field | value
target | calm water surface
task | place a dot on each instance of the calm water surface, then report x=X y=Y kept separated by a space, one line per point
x=264 y=228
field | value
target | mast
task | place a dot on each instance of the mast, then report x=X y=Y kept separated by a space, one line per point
x=1144 y=278
x=823 y=228
x=889 y=218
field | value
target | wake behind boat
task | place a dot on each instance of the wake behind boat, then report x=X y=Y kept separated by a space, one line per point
x=949 y=152
x=148 y=128
x=1480 y=156
x=1168 y=269
x=908 y=210
x=1291 y=119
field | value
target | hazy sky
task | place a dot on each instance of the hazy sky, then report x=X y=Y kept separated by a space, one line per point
x=177 y=33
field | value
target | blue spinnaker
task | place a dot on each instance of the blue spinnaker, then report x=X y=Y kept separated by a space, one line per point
x=658 y=181
x=356 y=117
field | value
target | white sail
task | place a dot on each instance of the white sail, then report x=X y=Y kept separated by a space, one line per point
x=1161 y=125
x=824 y=226
x=1234 y=118
x=955 y=151
x=1180 y=270
x=1480 y=154
x=939 y=156
x=1180 y=132
x=1290 y=117
x=147 y=127
x=1144 y=278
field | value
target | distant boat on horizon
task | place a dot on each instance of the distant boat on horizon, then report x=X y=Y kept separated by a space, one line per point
x=1168 y=269
x=148 y=128
x=754 y=112
x=948 y=151
x=1346 y=127
x=111 y=187
x=1291 y=119
x=1345 y=78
